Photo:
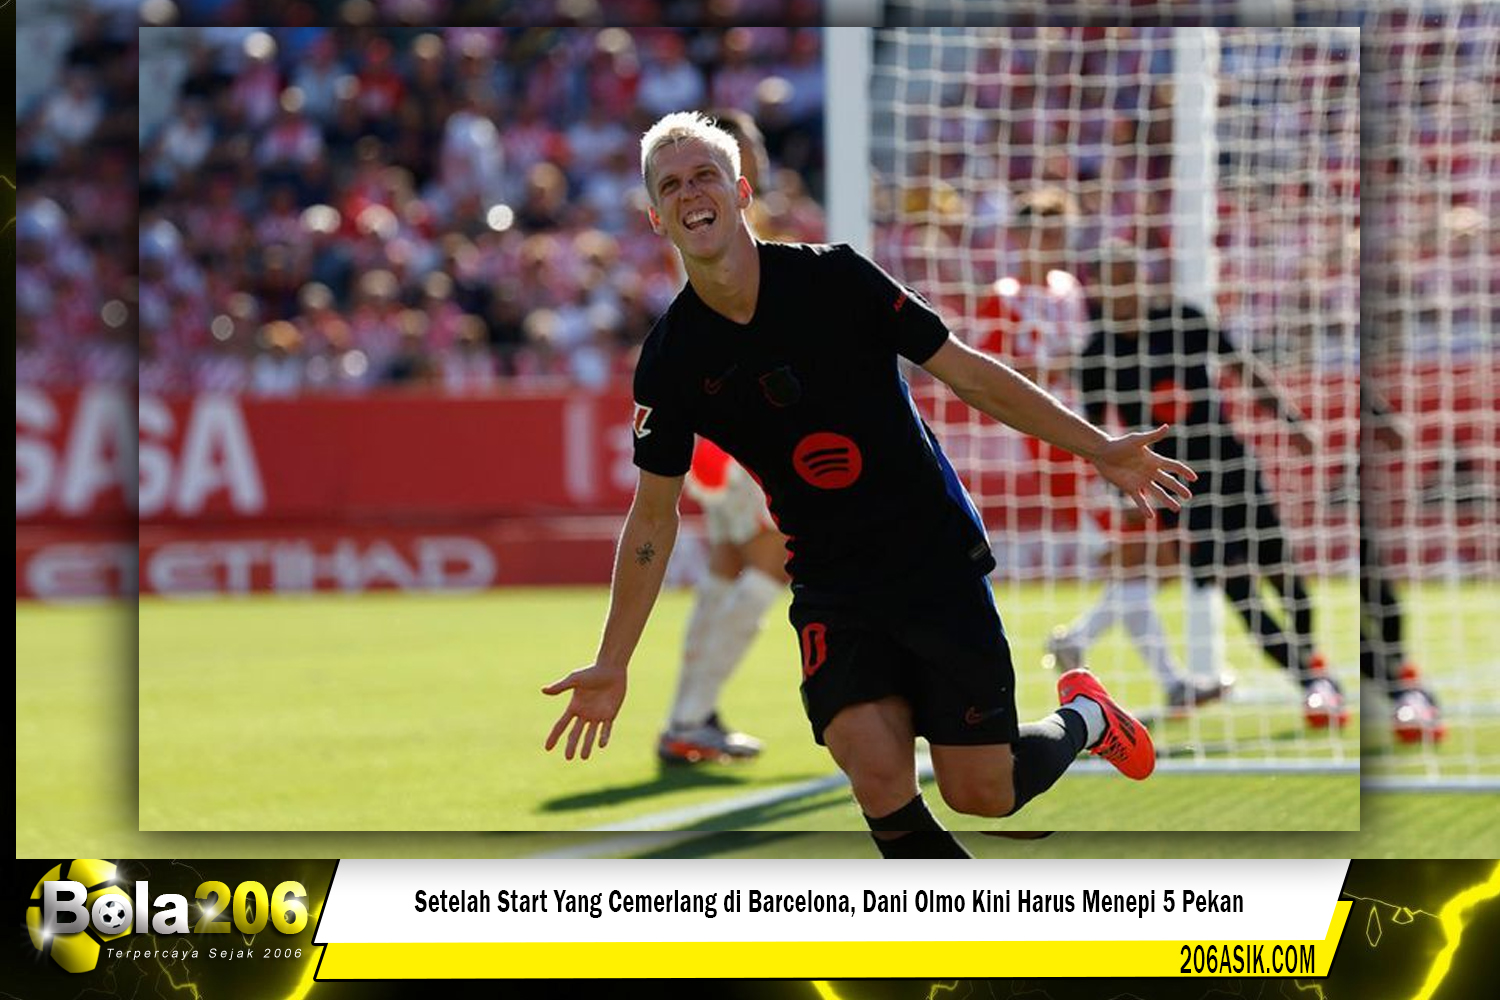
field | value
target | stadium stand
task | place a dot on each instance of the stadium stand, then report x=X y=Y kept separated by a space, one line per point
x=331 y=211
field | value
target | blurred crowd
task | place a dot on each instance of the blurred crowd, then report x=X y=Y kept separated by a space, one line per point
x=1125 y=13
x=986 y=114
x=505 y=13
x=339 y=209
x=1432 y=80
x=75 y=199
x=968 y=120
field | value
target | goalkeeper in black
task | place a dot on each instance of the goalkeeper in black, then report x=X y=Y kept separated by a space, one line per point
x=1154 y=362
x=786 y=356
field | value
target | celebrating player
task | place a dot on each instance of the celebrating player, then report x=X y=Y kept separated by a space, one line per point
x=1151 y=361
x=746 y=556
x=786 y=356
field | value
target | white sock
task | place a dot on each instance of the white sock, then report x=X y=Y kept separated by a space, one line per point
x=1089 y=626
x=733 y=623
x=1138 y=612
x=1092 y=715
x=694 y=701
x=739 y=621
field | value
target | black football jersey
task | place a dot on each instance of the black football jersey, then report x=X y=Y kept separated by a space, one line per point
x=809 y=397
x=1163 y=375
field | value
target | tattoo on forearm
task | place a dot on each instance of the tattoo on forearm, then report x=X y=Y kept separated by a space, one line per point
x=645 y=553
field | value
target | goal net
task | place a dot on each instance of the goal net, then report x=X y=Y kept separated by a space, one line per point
x=1224 y=162
x=1432 y=169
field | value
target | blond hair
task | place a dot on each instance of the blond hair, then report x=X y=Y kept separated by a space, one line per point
x=688 y=126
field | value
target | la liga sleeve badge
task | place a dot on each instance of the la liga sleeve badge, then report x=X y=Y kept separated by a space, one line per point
x=638 y=422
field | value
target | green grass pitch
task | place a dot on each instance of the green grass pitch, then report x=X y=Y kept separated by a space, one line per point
x=411 y=714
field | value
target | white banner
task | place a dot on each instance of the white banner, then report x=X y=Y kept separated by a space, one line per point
x=384 y=901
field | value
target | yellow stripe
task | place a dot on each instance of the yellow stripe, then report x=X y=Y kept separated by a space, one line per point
x=786 y=959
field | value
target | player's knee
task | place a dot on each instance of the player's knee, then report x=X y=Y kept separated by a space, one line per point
x=879 y=778
x=978 y=797
x=881 y=787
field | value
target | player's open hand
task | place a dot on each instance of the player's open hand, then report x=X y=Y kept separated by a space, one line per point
x=1147 y=478
x=598 y=693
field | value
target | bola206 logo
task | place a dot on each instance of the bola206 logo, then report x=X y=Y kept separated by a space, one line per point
x=80 y=906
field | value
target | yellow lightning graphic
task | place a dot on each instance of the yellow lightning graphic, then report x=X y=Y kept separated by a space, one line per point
x=1452 y=920
x=305 y=984
x=1399 y=914
x=826 y=992
x=186 y=984
x=10 y=184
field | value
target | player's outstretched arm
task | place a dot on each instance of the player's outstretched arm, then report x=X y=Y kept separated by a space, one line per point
x=1127 y=461
x=598 y=691
x=1269 y=394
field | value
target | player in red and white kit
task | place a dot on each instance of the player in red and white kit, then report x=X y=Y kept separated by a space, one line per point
x=1036 y=321
x=746 y=574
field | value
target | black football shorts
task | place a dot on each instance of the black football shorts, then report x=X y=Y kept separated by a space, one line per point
x=944 y=651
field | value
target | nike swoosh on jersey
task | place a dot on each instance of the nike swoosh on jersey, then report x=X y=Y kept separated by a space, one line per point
x=712 y=385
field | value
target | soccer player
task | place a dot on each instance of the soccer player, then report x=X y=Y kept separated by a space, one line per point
x=746 y=573
x=1037 y=321
x=1415 y=716
x=787 y=356
x=1153 y=362
x=746 y=556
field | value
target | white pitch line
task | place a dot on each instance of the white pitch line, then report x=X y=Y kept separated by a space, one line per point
x=625 y=843
x=1396 y=783
x=688 y=815
x=655 y=831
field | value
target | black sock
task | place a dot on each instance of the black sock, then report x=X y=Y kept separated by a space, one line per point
x=1297 y=603
x=1044 y=751
x=1381 y=653
x=1240 y=589
x=922 y=836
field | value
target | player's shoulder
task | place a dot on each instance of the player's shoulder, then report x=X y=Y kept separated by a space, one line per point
x=822 y=270
x=663 y=334
x=824 y=255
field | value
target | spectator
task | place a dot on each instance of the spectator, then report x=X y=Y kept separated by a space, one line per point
x=670 y=82
x=184 y=144
x=69 y=118
x=318 y=79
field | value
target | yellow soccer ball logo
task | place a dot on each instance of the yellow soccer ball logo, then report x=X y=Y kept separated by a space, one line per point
x=108 y=905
